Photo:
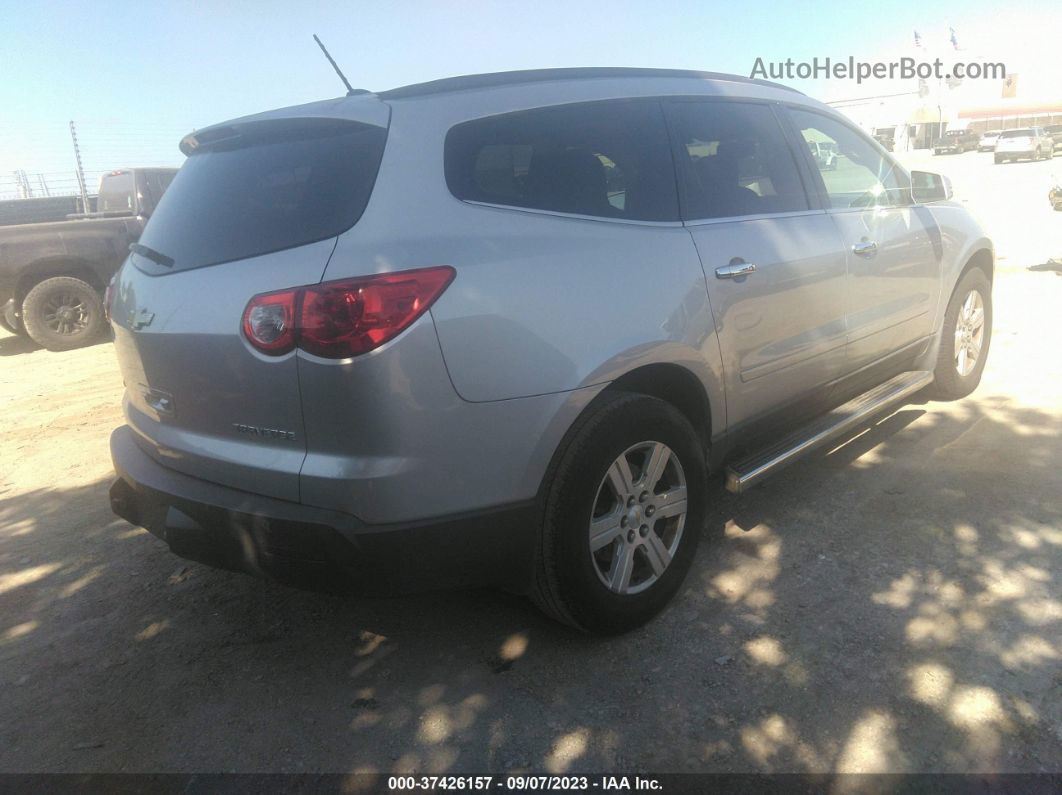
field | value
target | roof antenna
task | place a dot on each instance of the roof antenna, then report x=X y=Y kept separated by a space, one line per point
x=350 y=89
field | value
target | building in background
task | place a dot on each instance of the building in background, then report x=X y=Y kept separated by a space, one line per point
x=912 y=113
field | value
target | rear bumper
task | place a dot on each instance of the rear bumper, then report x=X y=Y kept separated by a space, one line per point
x=312 y=547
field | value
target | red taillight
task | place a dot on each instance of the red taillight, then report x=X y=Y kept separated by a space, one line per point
x=348 y=317
x=269 y=322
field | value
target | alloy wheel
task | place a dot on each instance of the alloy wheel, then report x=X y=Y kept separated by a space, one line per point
x=969 y=333
x=65 y=313
x=638 y=517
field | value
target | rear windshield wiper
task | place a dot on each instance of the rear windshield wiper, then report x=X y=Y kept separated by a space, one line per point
x=151 y=254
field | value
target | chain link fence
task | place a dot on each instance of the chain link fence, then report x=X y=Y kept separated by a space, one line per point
x=48 y=180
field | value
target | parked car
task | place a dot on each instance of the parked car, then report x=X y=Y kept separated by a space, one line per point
x=1055 y=131
x=824 y=153
x=955 y=142
x=420 y=338
x=1028 y=142
x=53 y=275
x=988 y=141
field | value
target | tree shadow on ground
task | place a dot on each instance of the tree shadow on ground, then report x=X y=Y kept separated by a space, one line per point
x=890 y=605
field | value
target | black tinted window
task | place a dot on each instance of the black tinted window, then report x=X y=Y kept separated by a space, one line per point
x=736 y=160
x=265 y=187
x=607 y=159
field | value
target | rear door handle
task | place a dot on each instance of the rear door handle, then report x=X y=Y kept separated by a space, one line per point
x=865 y=248
x=737 y=269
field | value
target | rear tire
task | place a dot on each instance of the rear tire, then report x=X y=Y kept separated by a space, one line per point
x=964 y=335
x=634 y=564
x=62 y=313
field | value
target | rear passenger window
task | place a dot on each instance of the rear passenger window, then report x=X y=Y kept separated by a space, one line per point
x=735 y=160
x=605 y=159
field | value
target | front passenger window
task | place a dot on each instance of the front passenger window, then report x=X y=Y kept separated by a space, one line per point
x=854 y=172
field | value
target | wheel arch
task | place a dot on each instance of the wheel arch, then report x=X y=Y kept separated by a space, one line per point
x=673 y=384
x=39 y=270
x=982 y=258
x=979 y=256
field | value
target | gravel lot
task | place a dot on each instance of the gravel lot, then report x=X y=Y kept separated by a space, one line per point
x=890 y=605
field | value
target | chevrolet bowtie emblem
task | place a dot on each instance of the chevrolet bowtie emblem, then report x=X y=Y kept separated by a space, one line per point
x=141 y=319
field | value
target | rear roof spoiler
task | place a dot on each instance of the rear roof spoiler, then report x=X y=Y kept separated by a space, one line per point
x=497 y=79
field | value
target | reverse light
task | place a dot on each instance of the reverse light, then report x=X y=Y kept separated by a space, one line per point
x=269 y=322
x=343 y=318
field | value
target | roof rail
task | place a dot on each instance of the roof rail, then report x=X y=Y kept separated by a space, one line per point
x=497 y=79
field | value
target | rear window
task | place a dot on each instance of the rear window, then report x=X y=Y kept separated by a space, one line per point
x=1016 y=134
x=604 y=159
x=264 y=187
x=116 y=193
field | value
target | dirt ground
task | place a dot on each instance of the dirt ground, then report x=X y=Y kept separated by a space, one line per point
x=892 y=604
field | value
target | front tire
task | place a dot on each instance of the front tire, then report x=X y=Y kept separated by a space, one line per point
x=62 y=313
x=965 y=338
x=623 y=512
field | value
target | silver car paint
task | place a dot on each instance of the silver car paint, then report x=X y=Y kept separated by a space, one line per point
x=961 y=238
x=193 y=350
x=466 y=408
x=402 y=445
x=891 y=294
x=782 y=328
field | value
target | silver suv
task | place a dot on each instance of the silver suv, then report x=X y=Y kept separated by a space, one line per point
x=502 y=328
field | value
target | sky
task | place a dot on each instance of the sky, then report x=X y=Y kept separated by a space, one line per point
x=136 y=76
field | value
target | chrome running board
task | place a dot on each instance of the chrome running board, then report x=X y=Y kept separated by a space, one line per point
x=742 y=475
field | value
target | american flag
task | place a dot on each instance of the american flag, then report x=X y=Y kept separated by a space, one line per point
x=918 y=39
x=954 y=39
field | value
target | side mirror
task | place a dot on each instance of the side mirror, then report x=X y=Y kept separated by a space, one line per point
x=929 y=187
